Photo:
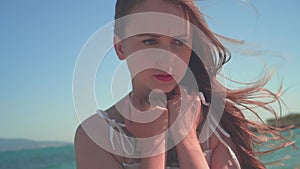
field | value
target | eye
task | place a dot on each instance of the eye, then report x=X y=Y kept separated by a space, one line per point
x=149 y=41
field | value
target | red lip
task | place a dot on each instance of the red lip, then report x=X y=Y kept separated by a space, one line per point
x=164 y=77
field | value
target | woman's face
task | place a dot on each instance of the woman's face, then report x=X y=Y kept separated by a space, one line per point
x=157 y=60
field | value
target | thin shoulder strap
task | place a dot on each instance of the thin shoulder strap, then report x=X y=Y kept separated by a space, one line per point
x=113 y=124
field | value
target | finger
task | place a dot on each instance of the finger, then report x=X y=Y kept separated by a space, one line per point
x=174 y=101
x=172 y=95
x=195 y=95
x=176 y=90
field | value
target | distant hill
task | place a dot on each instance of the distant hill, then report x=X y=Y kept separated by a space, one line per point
x=292 y=119
x=20 y=144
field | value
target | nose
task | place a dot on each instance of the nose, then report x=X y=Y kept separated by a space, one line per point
x=168 y=54
x=168 y=45
x=166 y=61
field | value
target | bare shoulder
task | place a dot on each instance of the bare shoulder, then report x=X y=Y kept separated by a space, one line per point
x=89 y=146
x=81 y=135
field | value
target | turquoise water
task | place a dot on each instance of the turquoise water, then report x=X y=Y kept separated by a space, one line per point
x=43 y=158
x=64 y=157
x=293 y=156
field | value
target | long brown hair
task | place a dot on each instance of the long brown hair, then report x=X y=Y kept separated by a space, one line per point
x=246 y=134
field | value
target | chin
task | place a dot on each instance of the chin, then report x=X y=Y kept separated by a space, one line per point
x=166 y=89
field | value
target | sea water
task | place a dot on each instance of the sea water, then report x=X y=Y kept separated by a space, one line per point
x=42 y=158
x=291 y=155
x=64 y=157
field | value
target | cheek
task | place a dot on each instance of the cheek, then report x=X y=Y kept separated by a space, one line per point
x=181 y=65
x=128 y=50
x=185 y=55
x=129 y=47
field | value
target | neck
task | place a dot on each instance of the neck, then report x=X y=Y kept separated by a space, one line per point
x=140 y=93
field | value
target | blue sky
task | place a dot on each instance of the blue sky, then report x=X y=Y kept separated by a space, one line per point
x=41 y=40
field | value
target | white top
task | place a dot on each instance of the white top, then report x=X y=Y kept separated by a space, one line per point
x=122 y=138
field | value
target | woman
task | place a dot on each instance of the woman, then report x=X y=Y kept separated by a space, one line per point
x=164 y=91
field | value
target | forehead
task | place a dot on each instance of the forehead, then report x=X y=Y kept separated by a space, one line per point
x=163 y=6
x=157 y=16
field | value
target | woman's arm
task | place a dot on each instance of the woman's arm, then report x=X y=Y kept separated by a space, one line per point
x=190 y=154
x=221 y=157
x=154 y=162
x=91 y=156
x=184 y=117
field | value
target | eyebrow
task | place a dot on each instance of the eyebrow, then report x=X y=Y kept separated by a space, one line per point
x=149 y=34
x=182 y=36
x=157 y=35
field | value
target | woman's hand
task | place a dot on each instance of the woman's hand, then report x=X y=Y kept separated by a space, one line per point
x=184 y=113
x=184 y=117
